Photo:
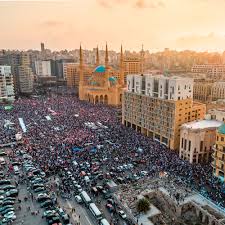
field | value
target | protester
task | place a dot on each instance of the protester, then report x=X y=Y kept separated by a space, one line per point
x=51 y=143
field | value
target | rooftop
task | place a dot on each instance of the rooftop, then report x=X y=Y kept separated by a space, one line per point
x=221 y=129
x=203 y=124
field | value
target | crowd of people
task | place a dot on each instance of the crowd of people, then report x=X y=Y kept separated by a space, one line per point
x=51 y=141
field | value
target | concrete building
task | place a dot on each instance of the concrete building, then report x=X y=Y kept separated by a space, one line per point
x=218 y=91
x=7 y=93
x=133 y=65
x=197 y=139
x=218 y=163
x=158 y=106
x=26 y=79
x=203 y=90
x=214 y=71
x=43 y=68
x=71 y=74
x=217 y=114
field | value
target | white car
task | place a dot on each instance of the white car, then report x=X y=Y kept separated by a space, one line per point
x=122 y=214
x=10 y=215
x=78 y=199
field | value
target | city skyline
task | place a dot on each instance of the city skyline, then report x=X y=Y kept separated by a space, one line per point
x=157 y=24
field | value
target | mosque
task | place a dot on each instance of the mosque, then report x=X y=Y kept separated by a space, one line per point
x=103 y=86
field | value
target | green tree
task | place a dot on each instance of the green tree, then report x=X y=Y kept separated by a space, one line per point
x=143 y=205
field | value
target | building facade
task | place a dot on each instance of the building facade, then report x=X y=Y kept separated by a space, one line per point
x=43 y=68
x=26 y=79
x=203 y=90
x=134 y=65
x=217 y=114
x=197 y=139
x=214 y=71
x=218 y=163
x=7 y=93
x=158 y=106
x=71 y=74
x=218 y=91
x=102 y=86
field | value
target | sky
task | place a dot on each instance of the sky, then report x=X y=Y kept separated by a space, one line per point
x=157 y=24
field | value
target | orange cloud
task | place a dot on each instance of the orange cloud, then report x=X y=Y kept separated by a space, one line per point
x=140 y=4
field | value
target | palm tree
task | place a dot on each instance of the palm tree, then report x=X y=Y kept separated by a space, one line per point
x=143 y=205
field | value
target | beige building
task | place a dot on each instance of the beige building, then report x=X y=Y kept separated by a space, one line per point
x=71 y=74
x=26 y=79
x=160 y=109
x=202 y=90
x=133 y=65
x=217 y=114
x=218 y=163
x=102 y=86
x=197 y=139
x=218 y=91
x=214 y=71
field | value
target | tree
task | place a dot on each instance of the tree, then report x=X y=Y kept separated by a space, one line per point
x=143 y=205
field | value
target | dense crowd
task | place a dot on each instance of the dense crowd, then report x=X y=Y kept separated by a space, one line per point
x=50 y=142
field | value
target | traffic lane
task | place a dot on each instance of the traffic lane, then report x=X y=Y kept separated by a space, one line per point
x=81 y=214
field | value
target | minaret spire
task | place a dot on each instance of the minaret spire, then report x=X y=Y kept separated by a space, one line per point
x=121 y=67
x=97 y=57
x=106 y=57
x=142 y=59
x=81 y=67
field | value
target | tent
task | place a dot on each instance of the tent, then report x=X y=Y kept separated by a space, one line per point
x=8 y=107
x=76 y=149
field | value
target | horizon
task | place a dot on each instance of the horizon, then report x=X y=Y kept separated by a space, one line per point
x=157 y=24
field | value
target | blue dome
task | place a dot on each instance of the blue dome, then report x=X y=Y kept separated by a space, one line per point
x=99 y=69
x=112 y=79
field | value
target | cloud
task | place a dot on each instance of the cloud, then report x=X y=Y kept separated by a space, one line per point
x=139 y=4
x=52 y=23
x=210 y=40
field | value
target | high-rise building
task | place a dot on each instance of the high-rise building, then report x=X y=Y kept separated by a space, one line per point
x=157 y=106
x=71 y=74
x=42 y=47
x=43 y=68
x=6 y=84
x=197 y=139
x=218 y=163
x=26 y=79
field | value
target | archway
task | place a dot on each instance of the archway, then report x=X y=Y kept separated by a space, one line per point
x=101 y=99
x=106 y=99
x=96 y=99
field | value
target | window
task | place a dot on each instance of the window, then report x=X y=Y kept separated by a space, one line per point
x=201 y=146
x=189 y=146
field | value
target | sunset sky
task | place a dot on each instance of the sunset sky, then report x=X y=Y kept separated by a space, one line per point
x=63 y=24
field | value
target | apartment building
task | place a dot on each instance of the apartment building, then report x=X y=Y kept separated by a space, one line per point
x=197 y=139
x=218 y=163
x=203 y=90
x=218 y=91
x=157 y=106
x=214 y=71
x=26 y=79
x=6 y=84
x=43 y=68
x=71 y=74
